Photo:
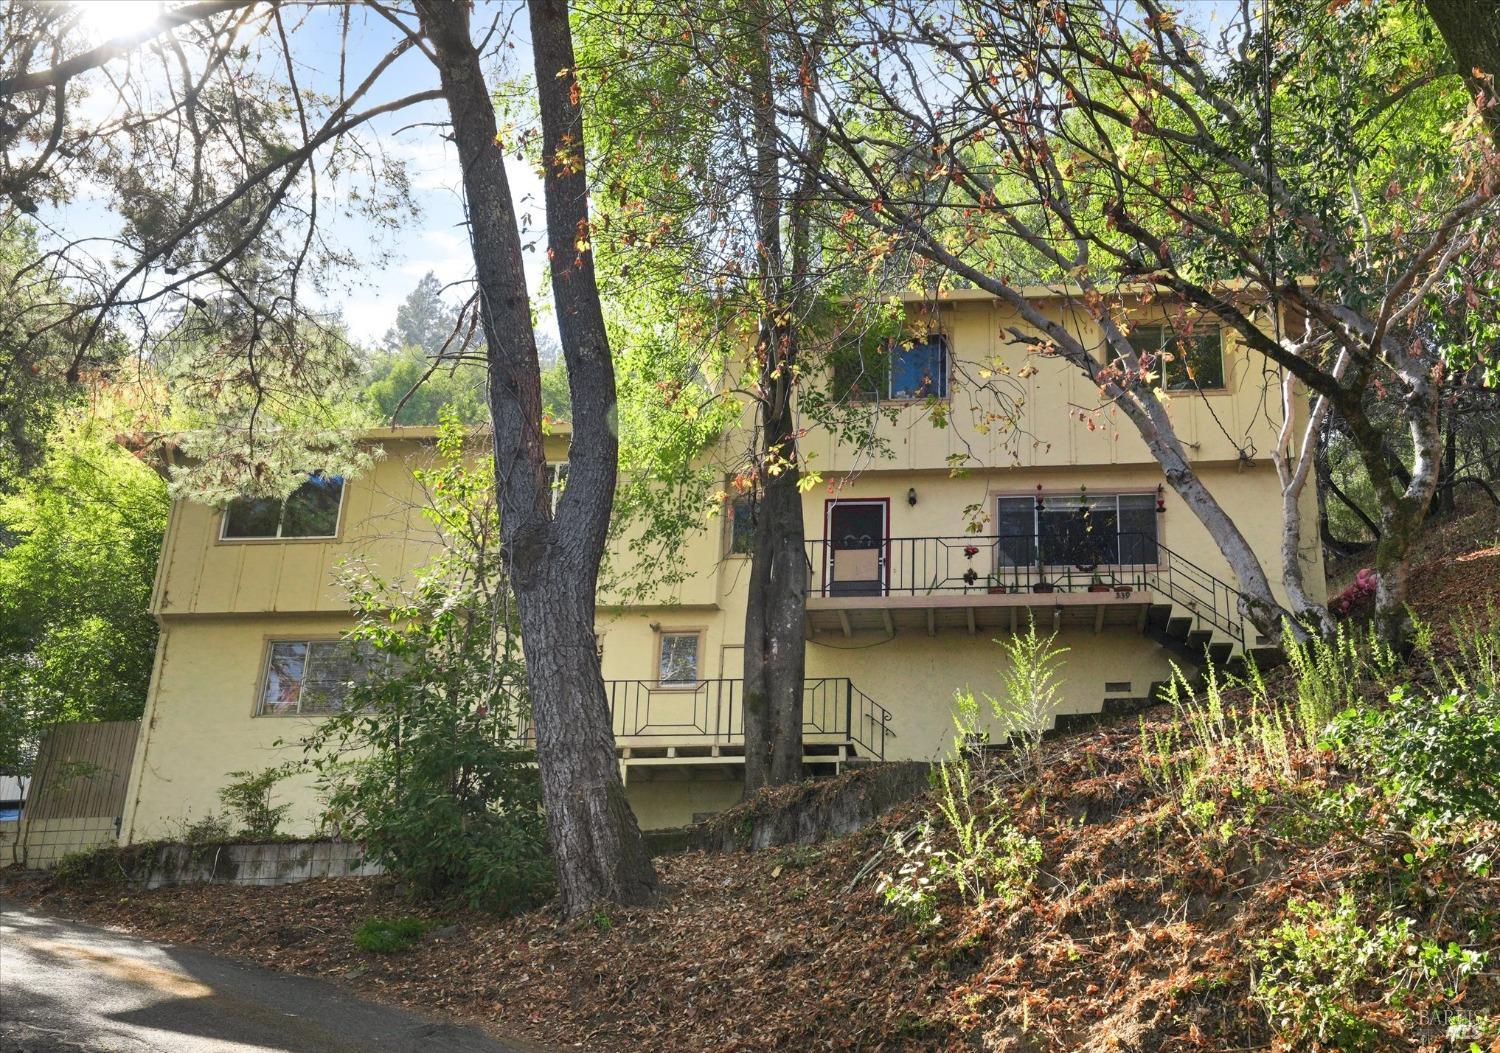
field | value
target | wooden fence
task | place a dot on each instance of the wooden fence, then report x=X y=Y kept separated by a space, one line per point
x=81 y=771
x=76 y=796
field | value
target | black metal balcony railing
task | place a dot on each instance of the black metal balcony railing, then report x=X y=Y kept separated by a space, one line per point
x=711 y=712
x=922 y=566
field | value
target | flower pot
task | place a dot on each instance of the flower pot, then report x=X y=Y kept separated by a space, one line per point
x=996 y=590
x=1043 y=586
x=1101 y=588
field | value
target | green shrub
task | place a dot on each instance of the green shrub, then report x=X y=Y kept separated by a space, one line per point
x=446 y=796
x=990 y=857
x=248 y=799
x=388 y=935
x=212 y=829
x=1312 y=969
x=1321 y=963
x=1432 y=758
x=110 y=865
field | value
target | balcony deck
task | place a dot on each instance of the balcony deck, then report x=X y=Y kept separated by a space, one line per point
x=974 y=611
x=664 y=728
x=973 y=583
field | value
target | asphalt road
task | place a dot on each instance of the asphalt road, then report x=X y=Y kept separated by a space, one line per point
x=66 y=987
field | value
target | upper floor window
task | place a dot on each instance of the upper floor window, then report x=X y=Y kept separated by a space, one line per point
x=1197 y=359
x=311 y=510
x=903 y=370
x=677 y=664
x=1078 y=530
x=741 y=524
x=312 y=677
x=919 y=370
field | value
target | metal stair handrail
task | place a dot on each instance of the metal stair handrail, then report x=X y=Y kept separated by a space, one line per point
x=976 y=563
x=712 y=709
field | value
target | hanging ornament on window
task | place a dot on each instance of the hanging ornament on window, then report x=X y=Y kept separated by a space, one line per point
x=1161 y=498
x=1039 y=503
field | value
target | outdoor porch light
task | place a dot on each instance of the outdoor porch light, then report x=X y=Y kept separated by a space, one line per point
x=911 y=497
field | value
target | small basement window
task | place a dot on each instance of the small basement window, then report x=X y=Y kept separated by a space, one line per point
x=310 y=511
x=677 y=664
x=1113 y=686
x=312 y=677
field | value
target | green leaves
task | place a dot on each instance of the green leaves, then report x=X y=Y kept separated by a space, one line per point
x=1434 y=758
x=445 y=793
x=78 y=548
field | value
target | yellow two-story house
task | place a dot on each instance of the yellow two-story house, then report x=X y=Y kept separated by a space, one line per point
x=915 y=570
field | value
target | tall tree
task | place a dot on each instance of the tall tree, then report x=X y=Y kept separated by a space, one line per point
x=708 y=227
x=220 y=173
x=424 y=319
x=78 y=547
x=554 y=559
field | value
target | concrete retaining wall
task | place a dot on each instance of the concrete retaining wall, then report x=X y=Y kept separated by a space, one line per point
x=39 y=843
x=267 y=864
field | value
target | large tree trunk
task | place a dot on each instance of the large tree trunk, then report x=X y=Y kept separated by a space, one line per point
x=1258 y=604
x=554 y=563
x=1471 y=29
x=1404 y=511
x=775 y=652
x=1293 y=466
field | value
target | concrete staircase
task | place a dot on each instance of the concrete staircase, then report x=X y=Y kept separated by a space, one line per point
x=1196 y=643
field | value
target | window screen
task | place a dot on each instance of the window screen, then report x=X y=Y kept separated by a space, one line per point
x=741 y=525
x=311 y=510
x=1097 y=530
x=311 y=677
x=679 y=659
x=1189 y=361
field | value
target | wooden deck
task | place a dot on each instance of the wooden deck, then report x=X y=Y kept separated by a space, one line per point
x=974 y=611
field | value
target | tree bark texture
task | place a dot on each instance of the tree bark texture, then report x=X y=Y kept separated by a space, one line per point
x=597 y=847
x=775 y=654
x=1471 y=29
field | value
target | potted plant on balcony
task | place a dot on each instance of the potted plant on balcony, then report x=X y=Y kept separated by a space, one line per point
x=1041 y=584
x=993 y=585
x=1098 y=584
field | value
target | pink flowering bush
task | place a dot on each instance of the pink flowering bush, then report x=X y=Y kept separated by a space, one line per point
x=1358 y=598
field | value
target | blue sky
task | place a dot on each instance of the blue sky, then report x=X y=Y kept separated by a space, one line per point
x=435 y=240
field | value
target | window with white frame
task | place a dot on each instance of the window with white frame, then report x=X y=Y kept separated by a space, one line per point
x=1081 y=530
x=677 y=665
x=310 y=511
x=312 y=677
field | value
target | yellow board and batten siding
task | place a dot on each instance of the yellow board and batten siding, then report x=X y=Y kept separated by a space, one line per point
x=221 y=603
